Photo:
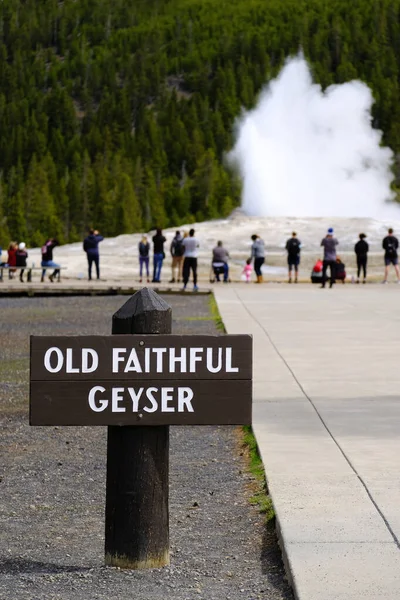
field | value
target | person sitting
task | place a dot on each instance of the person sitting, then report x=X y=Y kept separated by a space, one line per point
x=21 y=256
x=316 y=273
x=47 y=259
x=340 y=271
x=220 y=262
x=11 y=258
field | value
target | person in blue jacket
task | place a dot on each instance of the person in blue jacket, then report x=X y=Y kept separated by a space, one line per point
x=91 y=247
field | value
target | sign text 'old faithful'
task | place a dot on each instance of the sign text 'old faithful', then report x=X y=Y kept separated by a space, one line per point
x=141 y=380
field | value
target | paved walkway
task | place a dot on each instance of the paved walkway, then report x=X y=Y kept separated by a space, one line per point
x=327 y=421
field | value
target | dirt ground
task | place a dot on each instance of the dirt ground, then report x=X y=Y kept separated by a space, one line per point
x=52 y=486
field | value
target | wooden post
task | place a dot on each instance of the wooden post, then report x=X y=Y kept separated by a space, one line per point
x=137 y=528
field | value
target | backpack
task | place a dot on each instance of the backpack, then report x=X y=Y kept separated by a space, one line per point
x=293 y=247
x=179 y=248
x=391 y=248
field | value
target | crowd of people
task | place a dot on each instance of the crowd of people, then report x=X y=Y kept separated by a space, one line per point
x=184 y=250
x=337 y=269
x=17 y=257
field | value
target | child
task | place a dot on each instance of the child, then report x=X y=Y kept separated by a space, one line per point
x=248 y=269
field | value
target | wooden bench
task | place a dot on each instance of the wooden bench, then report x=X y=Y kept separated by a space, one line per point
x=29 y=271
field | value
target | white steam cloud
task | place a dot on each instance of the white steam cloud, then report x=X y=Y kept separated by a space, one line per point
x=303 y=152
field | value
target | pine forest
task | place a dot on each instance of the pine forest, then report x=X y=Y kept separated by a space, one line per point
x=118 y=113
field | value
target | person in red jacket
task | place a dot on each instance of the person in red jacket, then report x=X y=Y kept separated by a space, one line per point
x=12 y=258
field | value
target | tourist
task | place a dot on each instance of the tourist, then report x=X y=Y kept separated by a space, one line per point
x=21 y=256
x=191 y=246
x=247 y=270
x=258 y=253
x=293 y=247
x=158 y=255
x=340 y=270
x=329 y=244
x=316 y=273
x=177 y=251
x=47 y=259
x=11 y=258
x=91 y=247
x=144 y=251
x=390 y=244
x=361 y=249
x=220 y=262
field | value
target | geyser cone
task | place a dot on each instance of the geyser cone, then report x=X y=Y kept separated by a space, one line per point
x=304 y=152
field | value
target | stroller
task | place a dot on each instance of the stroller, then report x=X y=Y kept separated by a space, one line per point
x=218 y=269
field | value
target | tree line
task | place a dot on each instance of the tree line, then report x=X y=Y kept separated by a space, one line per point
x=118 y=113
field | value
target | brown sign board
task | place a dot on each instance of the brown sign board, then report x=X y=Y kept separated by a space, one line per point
x=141 y=380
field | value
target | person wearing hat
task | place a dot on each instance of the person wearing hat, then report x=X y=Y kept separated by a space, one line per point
x=21 y=255
x=329 y=244
x=361 y=250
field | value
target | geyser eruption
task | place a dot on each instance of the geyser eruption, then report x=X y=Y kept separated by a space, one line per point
x=306 y=153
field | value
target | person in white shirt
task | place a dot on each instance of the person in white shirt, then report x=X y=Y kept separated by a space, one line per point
x=191 y=245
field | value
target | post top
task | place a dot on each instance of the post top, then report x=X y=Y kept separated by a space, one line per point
x=145 y=300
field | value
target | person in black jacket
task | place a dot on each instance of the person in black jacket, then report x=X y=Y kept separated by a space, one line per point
x=47 y=259
x=293 y=247
x=390 y=244
x=158 y=254
x=361 y=250
x=91 y=247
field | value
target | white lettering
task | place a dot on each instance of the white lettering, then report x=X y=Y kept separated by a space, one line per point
x=166 y=396
x=185 y=396
x=102 y=403
x=173 y=359
x=229 y=368
x=69 y=368
x=86 y=352
x=116 y=358
x=135 y=396
x=116 y=398
x=47 y=360
x=194 y=358
x=133 y=363
x=154 y=405
x=210 y=366
x=159 y=352
x=147 y=360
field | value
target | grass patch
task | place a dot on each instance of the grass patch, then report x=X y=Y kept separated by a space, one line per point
x=260 y=498
x=194 y=318
x=215 y=314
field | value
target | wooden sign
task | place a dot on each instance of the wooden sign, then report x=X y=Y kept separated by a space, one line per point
x=141 y=380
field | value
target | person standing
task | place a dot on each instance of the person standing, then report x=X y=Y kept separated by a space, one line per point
x=91 y=247
x=144 y=251
x=47 y=259
x=329 y=244
x=220 y=258
x=191 y=246
x=21 y=256
x=361 y=249
x=158 y=255
x=258 y=253
x=247 y=270
x=293 y=247
x=390 y=244
x=177 y=251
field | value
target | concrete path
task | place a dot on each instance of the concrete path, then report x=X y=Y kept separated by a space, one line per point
x=327 y=421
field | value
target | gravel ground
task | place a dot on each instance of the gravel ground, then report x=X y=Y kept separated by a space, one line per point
x=52 y=486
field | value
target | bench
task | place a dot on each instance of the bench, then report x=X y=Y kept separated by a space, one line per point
x=29 y=271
